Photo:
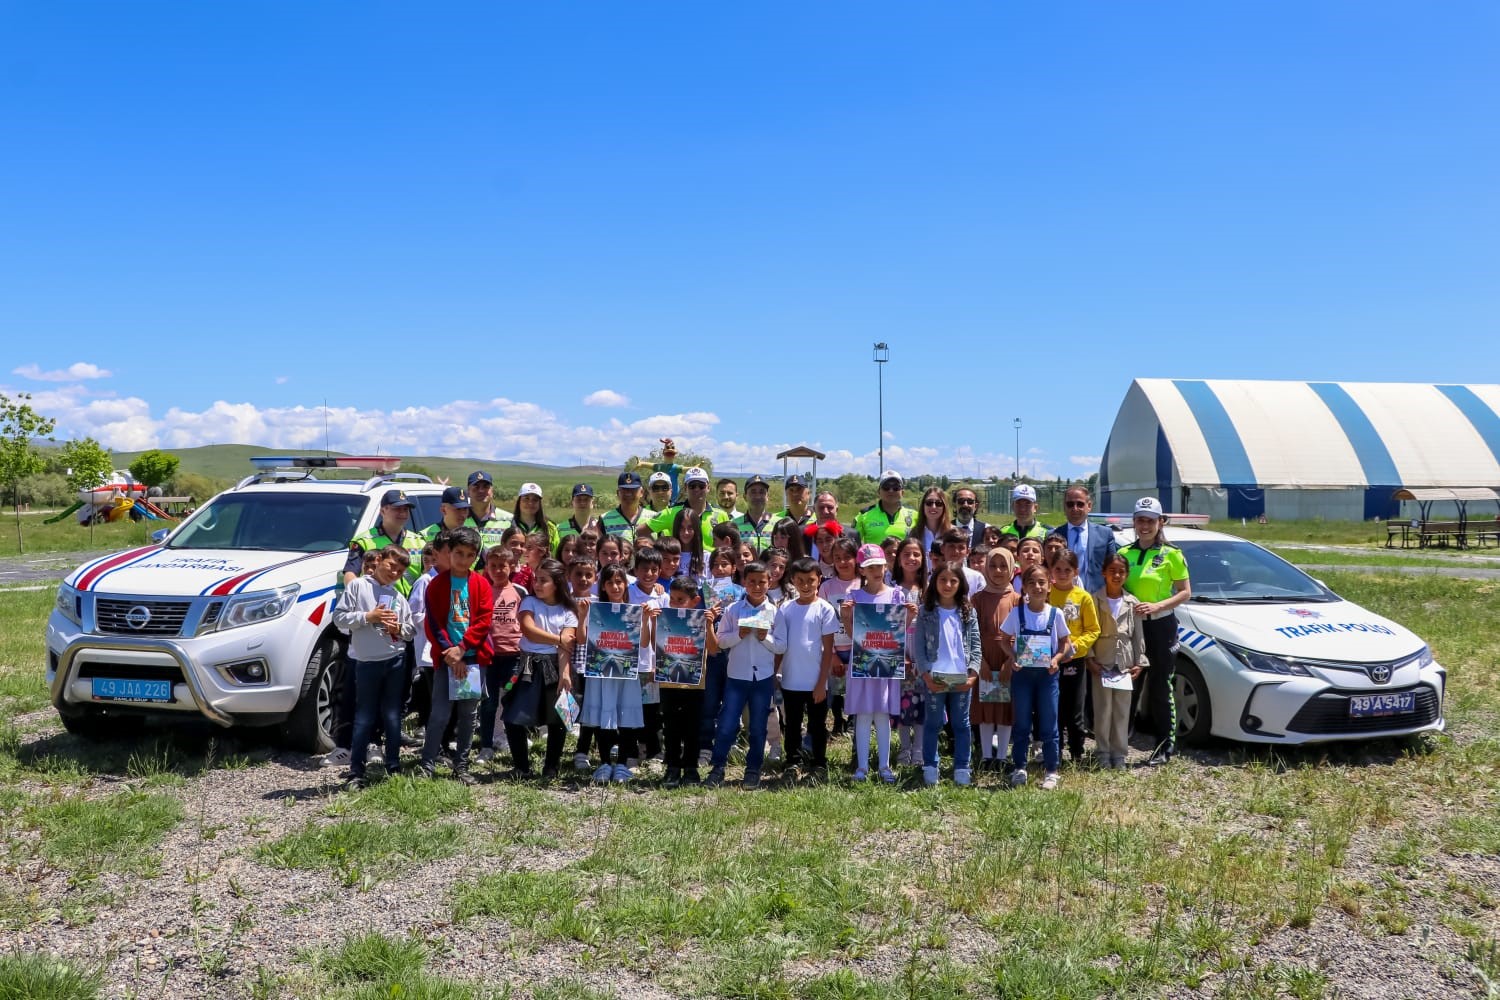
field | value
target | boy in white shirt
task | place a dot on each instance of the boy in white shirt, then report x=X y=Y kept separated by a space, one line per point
x=751 y=674
x=802 y=639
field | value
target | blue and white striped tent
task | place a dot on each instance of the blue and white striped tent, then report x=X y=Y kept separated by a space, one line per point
x=1335 y=450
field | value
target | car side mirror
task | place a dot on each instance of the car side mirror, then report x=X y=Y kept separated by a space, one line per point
x=160 y=535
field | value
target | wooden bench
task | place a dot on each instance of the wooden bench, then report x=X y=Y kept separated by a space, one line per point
x=1398 y=529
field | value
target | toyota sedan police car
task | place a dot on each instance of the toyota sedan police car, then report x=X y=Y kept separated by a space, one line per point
x=1267 y=654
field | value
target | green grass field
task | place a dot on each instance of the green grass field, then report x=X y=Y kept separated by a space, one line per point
x=1223 y=876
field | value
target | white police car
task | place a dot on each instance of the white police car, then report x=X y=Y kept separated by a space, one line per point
x=1267 y=654
x=228 y=616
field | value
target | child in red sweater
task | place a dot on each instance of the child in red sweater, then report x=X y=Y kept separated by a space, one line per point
x=460 y=610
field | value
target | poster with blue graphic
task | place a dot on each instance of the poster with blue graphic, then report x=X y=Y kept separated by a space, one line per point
x=879 y=641
x=681 y=643
x=614 y=637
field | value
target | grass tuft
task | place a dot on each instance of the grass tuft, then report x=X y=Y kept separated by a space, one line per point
x=43 y=977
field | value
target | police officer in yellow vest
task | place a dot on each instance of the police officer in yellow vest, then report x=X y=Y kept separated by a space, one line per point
x=391 y=529
x=756 y=523
x=1023 y=505
x=490 y=521
x=621 y=522
x=695 y=492
x=888 y=517
x=454 y=509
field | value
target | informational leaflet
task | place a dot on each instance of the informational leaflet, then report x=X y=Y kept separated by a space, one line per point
x=879 y=641
x=614 y=637
x=681 y=644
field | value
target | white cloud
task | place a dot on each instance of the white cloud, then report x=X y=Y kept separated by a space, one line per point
x=282 y=379
x=497 y=429
x=889 y=435
x=1086 y=461
x=606 y=397
x=73 y=373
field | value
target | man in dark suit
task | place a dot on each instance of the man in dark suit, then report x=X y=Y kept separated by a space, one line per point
x=965 y=505
x=1092 y=543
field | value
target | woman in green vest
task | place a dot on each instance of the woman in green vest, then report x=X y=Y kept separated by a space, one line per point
x=1158 y=578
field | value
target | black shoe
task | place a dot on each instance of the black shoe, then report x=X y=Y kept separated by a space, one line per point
x=411 y=741
x=549 y=773
x=355 y=784
x=752 y=780
x=673 y=778
x=1161 y=757
x=690 y=777
x=715 y=778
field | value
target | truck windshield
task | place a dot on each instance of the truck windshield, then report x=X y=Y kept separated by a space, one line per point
x=289 y=521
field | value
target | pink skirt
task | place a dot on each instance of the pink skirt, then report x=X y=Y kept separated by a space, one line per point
x=872 y=695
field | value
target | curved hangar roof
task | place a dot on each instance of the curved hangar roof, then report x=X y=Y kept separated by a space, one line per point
x=1304 y=435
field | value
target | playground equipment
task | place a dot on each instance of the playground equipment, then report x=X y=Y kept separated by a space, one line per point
x=118 y=497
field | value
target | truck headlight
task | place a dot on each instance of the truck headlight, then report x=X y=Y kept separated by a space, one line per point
x=1264 y=662
x=252 y=609
x=70 y=604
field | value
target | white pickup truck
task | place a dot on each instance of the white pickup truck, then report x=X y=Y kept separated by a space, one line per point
x=228 y=616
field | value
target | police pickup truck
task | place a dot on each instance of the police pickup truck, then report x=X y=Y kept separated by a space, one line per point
x=228 y=616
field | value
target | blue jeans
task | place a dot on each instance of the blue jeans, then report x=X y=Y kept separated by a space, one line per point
x=715 y=671
x=379 y=686
x=949 y=706
x=496 y=676
x=1034 y=687
x=737 y=694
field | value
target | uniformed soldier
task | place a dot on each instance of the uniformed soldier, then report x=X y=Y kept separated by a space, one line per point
x=756 y=523
x=390 y=529
x=484 y=517
x=583 y=512
x=623 y=520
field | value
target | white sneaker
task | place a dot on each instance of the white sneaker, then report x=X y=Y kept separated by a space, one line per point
x=888 y=776
x=705 y=758
x=486 y=754
x=604 y=773
x=337 y=757
x=929 y=776
x=374 y=755
x=961 y=776
x=861 y=774
x=774 y=756
x=1049 y=782
x=622 y=774
x=1018 y=778
x=580 y=762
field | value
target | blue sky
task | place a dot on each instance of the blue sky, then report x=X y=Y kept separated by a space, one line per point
x=463 y=225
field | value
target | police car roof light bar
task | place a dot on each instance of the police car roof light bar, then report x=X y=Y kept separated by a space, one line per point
x=377 y=463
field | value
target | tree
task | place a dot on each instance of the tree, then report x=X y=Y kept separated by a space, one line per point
x=20 y=426
x=88 y=465
x=154 y=467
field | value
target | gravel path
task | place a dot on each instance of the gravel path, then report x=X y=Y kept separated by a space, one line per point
x=44 y=567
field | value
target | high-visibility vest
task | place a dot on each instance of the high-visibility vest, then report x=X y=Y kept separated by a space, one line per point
x=375 y=539
x=875 y=526
x=617 y=524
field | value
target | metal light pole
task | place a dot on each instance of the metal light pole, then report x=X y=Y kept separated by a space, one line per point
x=882 y=355
x=1018 y=449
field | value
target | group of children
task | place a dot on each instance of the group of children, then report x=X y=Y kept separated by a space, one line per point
x=1001 y=643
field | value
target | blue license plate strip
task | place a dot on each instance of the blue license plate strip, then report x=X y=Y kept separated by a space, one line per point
x=1364 y=706
x=122 y=689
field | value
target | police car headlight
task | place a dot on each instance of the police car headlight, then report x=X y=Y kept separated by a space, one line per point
x=252 y=609
x=69 y=604
x=1264 y=662
x=1423 y=658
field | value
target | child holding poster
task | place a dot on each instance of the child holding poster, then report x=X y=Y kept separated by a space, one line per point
x=680 y=637
x=612 y=702
x=872 y=692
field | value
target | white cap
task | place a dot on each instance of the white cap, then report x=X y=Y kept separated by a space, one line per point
x=695 y=475
x=529 y=490
x=659 y=477
x=890 y=474
x=1024 y=491
x=1148 y=507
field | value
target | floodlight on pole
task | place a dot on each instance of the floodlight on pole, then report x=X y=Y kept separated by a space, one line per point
x=882 y=355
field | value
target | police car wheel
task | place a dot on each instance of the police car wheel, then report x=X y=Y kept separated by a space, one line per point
x=1194 y=708
x=310 y=726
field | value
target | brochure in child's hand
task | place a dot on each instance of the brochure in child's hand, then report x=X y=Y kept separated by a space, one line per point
x=995 y=691
x=467 y=688
x=567 y=708
x=950 y=681
x=764 y=618
x=1116 y=680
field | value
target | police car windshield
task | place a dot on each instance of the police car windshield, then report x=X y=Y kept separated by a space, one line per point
x=1223 y=571
x=278 y=522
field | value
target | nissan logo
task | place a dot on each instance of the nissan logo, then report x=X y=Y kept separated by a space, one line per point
x=1380 y=673
x=139 y=617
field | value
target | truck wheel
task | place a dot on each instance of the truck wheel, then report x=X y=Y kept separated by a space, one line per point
x=1194 y=710
x=97 y=727
x=310 y=726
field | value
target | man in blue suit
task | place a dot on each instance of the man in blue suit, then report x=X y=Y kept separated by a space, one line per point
x=1092 y=543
